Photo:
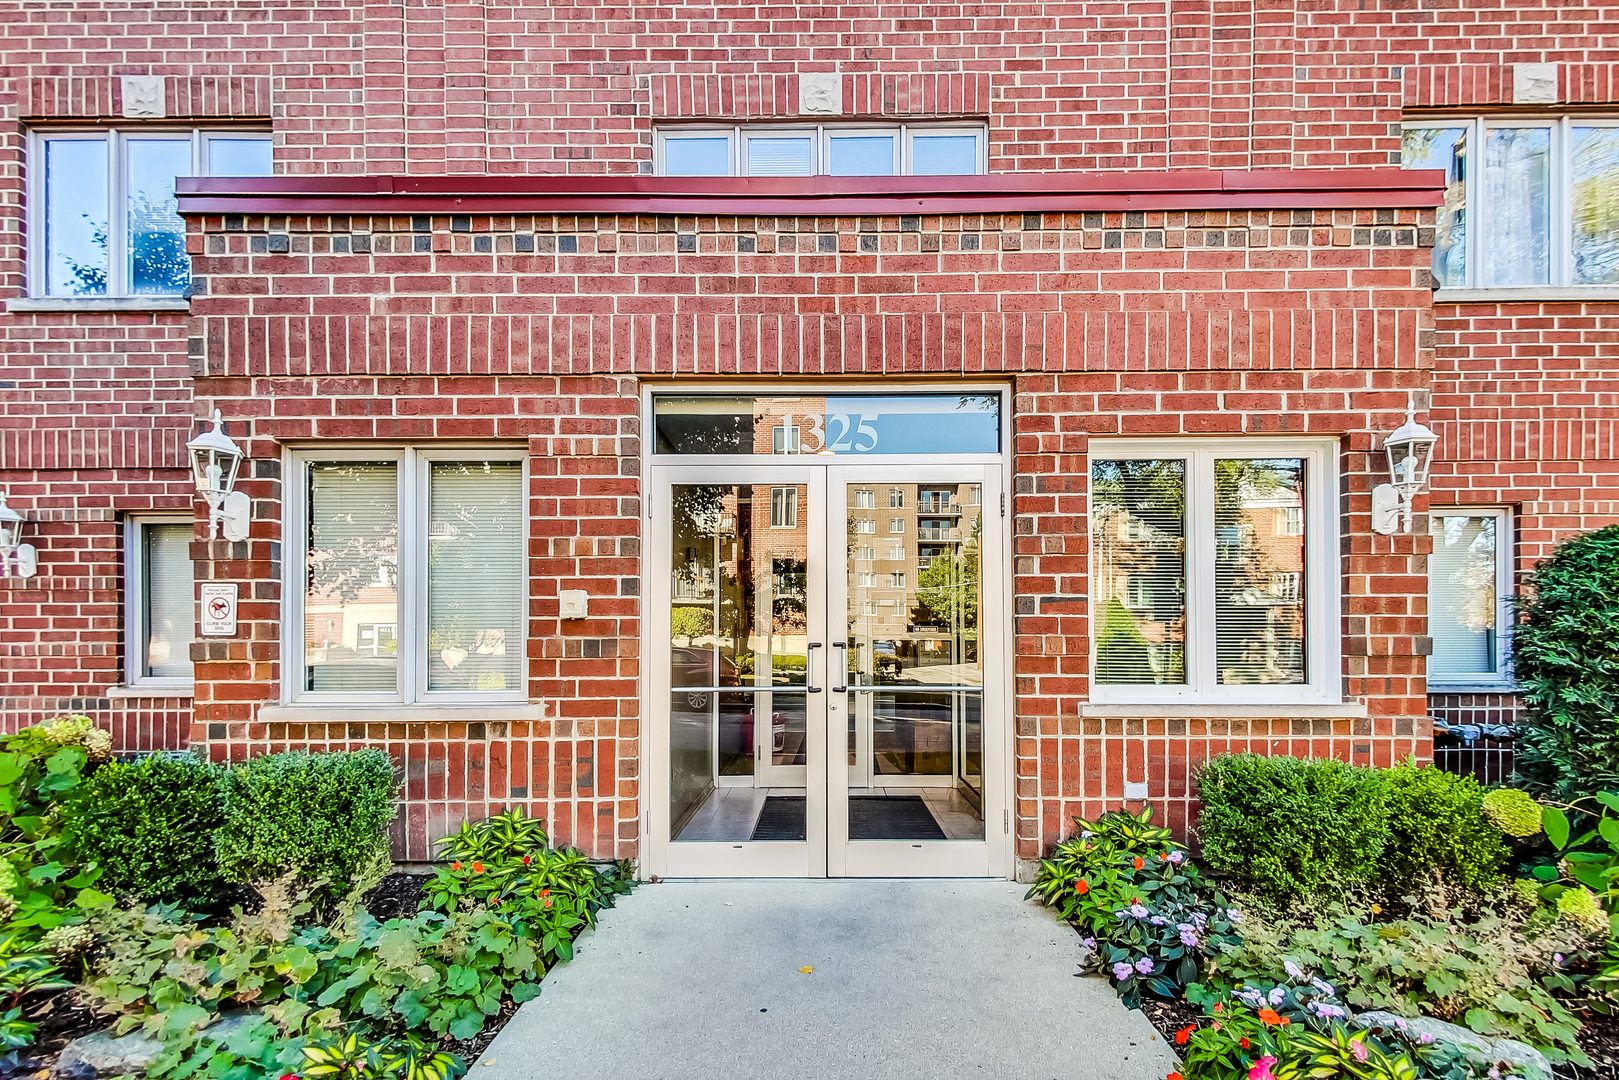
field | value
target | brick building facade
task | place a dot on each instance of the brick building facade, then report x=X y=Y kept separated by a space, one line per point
x=1186 y=226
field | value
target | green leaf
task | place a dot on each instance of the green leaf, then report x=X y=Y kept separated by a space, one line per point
x=1609 y=828
x=1480 y=1020
x=525 y=991
x=1555 y=822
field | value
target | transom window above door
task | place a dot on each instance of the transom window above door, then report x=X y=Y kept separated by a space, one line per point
x=103 y=218
x=822 y=150
x=829 y=424
x=1529 y=203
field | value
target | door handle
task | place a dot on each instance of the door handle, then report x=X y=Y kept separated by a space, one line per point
x=809 y=668
x=843 y=665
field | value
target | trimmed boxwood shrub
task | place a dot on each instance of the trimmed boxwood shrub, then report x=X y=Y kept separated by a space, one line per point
x=1566 y=660
x=1436 y=824
x=1292 y=830
x=322 y=817
x=150 y=826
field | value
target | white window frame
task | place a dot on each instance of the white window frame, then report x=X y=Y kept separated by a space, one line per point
x=784 y=497
x=415 y=470
x=821 y=135
x=1502 y=680
x=1323 y=647
x=136 y=612
x=1560 y=213
x=116 y=139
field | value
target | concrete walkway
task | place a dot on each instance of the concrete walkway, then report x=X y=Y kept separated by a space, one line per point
x=921 y=979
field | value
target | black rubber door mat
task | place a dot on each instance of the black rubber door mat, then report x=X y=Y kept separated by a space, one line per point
x=781 y=818
x=892 y=817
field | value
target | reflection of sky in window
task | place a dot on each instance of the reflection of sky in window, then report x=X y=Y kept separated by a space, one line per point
x=917 y=424
x=871 y=155
x=240 y=157
x=944 y=155
x=157 y=258
x=697 y=157
x=75 y=212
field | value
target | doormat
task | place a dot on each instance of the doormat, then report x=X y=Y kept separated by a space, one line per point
x=892 y=817
x=782 y=818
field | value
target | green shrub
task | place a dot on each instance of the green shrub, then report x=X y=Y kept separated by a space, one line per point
x=319 y=817
x=150 y=827
x=1437 y=825
x=1289 y=829
x=1566 y=660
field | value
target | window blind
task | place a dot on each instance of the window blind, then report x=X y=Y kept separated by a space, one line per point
x=1259 y=594
x=1139 y=536
x=170 y=614
x=779 y=157
x=351 y=601
x=1462 y=596
x=475 y=576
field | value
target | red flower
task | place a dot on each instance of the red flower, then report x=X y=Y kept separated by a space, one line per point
x=1184 y=1033
x=290 y=1076
x=527 y=859
x=477 y=868
x=548 y=903
x=1219 y=1007
x=453 y=866
x=495 y=902
x=1140 y=862
x=1243 y=1043
x=1082 y=886
x=544 y=893
x=1173 y=1076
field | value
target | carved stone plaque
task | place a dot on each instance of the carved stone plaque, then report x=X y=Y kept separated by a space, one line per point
x=1534 y=84
x=820 y=93
x=144 y=97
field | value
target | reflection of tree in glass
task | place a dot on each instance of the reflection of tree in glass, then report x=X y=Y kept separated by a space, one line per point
x=947 y=590
x=1140 y=509
x=1596 y=206
x=1253 y=622
x=691 y=622
x=789 y=586
x=1473 y=583
x=158 y=260
x=348 y=549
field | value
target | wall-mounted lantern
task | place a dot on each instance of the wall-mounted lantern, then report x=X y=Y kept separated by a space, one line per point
x=1410 y=453
x=214 y=462
x=17 y=559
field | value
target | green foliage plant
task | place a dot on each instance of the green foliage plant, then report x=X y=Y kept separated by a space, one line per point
x=1566 y=663
x=1148 y=915
x=149 y=826
x=1512 y=811
x=319 y=817
x=1292 y=830
x=1437 y=826
x=40 y=769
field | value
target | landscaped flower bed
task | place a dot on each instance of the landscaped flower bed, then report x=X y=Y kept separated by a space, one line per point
x=220 y=913
x=1388 y=924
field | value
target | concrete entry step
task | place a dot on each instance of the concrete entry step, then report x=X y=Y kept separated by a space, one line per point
x=923 y=979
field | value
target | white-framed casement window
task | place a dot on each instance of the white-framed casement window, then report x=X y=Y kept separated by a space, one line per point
x=160 y=610
x=406 y=576
x=1205 y=586
x=941 y=149
x=1469 y=593
x=783 y=507
x=1529 y=203
x=103 y=220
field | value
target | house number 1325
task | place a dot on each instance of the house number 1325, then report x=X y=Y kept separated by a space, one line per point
x=841 y=433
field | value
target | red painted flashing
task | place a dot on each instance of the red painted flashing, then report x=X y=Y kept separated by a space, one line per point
x=818 y=195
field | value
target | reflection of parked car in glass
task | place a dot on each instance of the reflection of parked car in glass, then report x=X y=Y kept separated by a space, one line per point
x=692 y=666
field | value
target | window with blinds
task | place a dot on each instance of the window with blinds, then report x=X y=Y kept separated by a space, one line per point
x=414 y=578
x=161 y=611
x=1211 y=573
x=1466 y=581
x=1138 y=534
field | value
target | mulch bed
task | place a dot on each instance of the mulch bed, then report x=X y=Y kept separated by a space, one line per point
x=396 y=897
x=1599 y=1038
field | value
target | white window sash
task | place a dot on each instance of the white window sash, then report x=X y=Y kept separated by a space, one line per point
x=737 y=136
x=415 y=467
x=1501 y=680
x=1321 y=583
x=135 y=606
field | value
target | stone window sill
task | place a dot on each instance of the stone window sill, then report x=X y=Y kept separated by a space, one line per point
x=79 y=304
x=1347 y=711
x=412 y=714
x=1504 y=689
x=152 y=691
x=1535 y=294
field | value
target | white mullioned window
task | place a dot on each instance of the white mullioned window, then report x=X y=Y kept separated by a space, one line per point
x=103 y=220
x=1469 y=597
x=1530 y=202
x=160 y=610
x=783 y=507
x=1203 y=591
x=940 y=149
x=406 y=576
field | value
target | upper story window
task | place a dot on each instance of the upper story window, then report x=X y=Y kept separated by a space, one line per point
x=816 y=150
x=1542 y=194
x=103 y=218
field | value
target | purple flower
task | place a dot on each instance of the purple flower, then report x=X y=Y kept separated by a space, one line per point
x=1158 y=920
x=1233 y=916
x=1427 y=1036
x=1558 y=959
x=1137 y=911
x=1292 y=969
x=1277 y=993
x=1188 y=936
x=1122 y=971
x=1144 y=965
x=1324 y=987
x=1085 y=834
x=1400 y=1023
x=1327 y=1012
x=1089 y=943
x=1251 y=998
x=1176 y=856
x=1199 y=918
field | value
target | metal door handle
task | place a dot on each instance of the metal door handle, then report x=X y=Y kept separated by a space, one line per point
x=809 y=668
x=843 y=665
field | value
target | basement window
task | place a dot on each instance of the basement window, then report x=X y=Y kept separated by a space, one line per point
x=103 y=217
x=822 y=150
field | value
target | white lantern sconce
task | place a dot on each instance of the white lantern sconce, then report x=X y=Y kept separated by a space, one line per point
x=215 y=460
x=1410 y=453
x=17 y=559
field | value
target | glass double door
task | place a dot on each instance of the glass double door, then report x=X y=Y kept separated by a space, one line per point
x=826 y=671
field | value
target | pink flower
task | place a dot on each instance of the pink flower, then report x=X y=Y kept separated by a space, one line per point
x=1358 y=1048
x=1261 y=1069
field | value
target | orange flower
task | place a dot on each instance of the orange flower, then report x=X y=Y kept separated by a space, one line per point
x=1082 y=886
x=1184 y=1033
x=544 y=893
x=455 y=866
x=1140 y=862
x=1243 y=1043
x=477 y=868
x=1271 y=1016
x=548 y=903
x=1219 y=1006
x=1173 y=1076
